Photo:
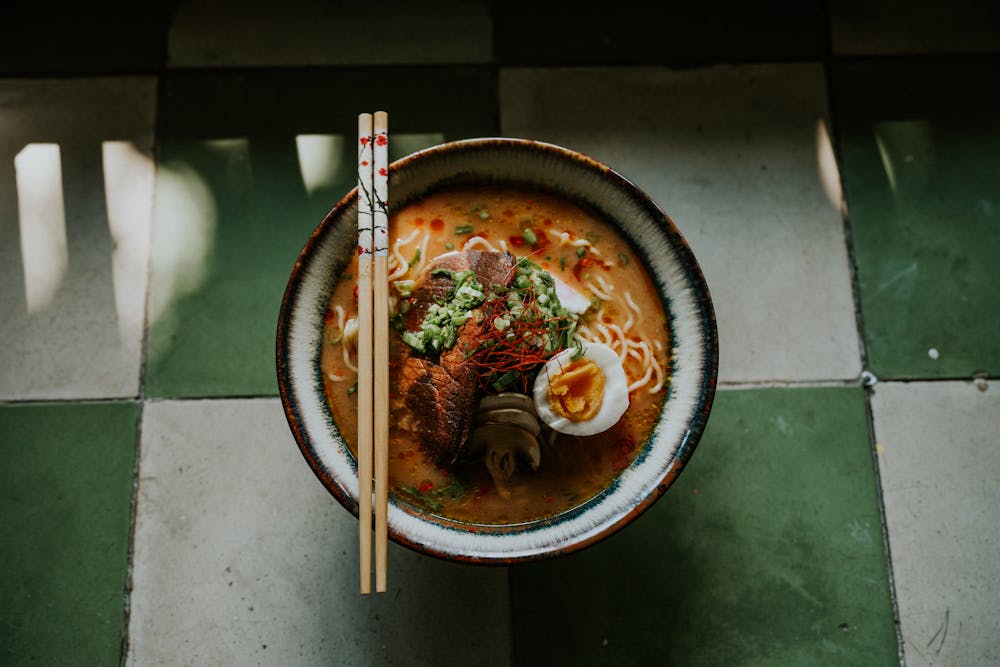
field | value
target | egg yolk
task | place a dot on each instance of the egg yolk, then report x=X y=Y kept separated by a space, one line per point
x=577 y=391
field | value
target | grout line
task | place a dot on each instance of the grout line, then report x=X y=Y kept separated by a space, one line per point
x=133 y=506
x=143 y=367
x=142 y=398
x=779 y=384
x=496 y=64
x=722 y=384
x=886 y=544
x=68 y=401
x=852 y=263
x=869 y=379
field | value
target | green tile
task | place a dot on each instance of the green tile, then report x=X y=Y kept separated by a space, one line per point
x=766 y=551
x=233 y=207
x=102 y=36
x=65 y=493
x=920 y=148
x=650 y=32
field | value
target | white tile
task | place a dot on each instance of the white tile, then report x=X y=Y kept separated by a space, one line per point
x=739 y=158
x=76 y=198
x=314 y=32
x=242 y=557
x=939 y=460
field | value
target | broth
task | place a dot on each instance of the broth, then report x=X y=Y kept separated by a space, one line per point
x=575 y=246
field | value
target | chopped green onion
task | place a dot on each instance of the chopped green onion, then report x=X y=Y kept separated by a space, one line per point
x=439 y=328
x=529 y=236
x=505 y=380
x=562 y=263
x=623 y=259
x=404 y=287
x=353 y=389
x=416 y=257
x=449 y=246
x=463 y=229
x=483 y=215
x=581 y=252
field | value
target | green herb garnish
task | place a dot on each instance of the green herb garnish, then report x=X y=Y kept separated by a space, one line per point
x=529 y=325
x=432 y=498
x=404 y=287
x=463 y=229
x=439 y=328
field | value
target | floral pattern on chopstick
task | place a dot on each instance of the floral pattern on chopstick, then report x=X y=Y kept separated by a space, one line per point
x=365 y=198
x=381 y=191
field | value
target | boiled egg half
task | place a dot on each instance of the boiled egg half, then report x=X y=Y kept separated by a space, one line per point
x=582 y=396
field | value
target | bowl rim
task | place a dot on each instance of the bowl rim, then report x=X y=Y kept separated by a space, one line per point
x=685 y=257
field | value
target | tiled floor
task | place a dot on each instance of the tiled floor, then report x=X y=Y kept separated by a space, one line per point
x=836 y=171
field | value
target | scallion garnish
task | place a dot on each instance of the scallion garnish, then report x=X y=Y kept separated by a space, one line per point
x=404 y=287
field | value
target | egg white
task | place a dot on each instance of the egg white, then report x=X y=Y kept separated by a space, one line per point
x=569 y=298
x=615 y=400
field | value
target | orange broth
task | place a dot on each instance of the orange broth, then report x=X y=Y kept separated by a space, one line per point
x=573 y=469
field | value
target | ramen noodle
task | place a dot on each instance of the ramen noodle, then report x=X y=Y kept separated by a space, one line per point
x=529 y=354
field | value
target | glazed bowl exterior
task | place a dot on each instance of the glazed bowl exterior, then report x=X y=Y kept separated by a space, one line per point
x=693 y=367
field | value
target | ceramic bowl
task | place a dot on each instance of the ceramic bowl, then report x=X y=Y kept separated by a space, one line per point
x=672 y=265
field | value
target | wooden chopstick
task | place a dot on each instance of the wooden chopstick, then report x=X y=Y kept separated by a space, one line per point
x=365 y=361
x=381 y=342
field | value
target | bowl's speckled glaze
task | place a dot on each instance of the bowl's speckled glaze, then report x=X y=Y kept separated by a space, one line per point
x=656 y=239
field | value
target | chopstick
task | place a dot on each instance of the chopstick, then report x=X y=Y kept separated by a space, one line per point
x=381 y=341
x=365 y=360
x=373 y=344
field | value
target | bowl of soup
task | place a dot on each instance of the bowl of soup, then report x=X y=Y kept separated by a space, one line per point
x=553 y=351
